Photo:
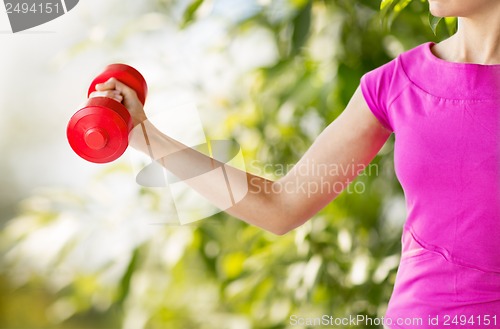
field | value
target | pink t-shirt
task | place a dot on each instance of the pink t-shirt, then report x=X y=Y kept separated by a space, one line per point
x=446 y=121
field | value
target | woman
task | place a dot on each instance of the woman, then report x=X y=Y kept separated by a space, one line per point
x=442 y=102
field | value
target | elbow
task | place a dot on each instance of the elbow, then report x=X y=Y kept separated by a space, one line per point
x=286 y=225
x=281 y=219
x=279 y=231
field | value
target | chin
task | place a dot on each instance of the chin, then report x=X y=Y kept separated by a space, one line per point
x=438 y=10
x=441 y=8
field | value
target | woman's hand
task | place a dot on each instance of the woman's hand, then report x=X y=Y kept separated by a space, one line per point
x=124 y=94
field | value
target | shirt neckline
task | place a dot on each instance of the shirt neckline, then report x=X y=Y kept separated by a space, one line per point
x=450 y=80
x=439 y=61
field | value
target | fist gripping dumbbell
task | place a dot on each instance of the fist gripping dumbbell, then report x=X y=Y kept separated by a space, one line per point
x=99 y=131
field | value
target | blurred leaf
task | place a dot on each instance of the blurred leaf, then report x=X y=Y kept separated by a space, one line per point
x=451 y=24
x=301 y=28
x=434 y=22
x=387 y=13
x=390 y=9
x=385 y=4
x=232 y=264
x=190 y=12
x=402 y=4
x=125 y=281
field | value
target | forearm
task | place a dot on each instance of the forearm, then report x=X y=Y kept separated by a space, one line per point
x=246 y=196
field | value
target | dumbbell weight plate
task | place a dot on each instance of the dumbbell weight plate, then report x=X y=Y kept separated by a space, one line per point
x=99 y=132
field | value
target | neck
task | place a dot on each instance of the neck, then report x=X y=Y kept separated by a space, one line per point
x=477 y=40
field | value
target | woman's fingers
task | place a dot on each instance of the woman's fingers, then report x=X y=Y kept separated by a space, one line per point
x=124 y=94
x=114 y=94
x=113 y=84
x=108 y=85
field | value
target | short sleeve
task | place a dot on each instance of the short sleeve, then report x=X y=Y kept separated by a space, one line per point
x=377 y=87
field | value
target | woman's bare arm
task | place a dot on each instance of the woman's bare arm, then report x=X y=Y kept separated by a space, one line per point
x=349 y=143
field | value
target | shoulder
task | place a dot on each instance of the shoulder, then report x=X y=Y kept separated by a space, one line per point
x=391 y=78
x=381 y=86
x=394 y=72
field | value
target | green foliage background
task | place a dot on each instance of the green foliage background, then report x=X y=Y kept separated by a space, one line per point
x=227 y=274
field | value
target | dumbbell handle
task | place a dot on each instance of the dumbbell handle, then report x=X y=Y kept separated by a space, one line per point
x=126 y=74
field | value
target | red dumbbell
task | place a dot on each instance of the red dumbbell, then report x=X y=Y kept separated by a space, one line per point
x=99 y=131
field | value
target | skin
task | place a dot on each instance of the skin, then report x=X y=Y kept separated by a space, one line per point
x=478 y=36
x=350 y=141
